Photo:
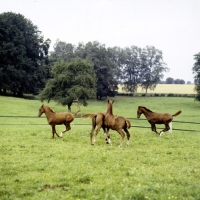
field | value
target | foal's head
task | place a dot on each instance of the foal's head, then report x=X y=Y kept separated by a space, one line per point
x=110 y=101
x=139 y=111
x=41 y=111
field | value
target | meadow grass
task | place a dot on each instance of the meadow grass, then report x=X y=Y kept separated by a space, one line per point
x=34 y=166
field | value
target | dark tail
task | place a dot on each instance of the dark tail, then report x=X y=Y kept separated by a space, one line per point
x=128 y=123
x=178 y=113
x=77 y=112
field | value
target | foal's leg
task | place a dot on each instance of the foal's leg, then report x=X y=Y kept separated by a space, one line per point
x=97 y=131
x=93 y=129
x=128 y=136
x=167 y=127
x=107 y=136
x=122 y=135
x=92 y=134
x=67 y=128
x=54 y=131
x=153 y=128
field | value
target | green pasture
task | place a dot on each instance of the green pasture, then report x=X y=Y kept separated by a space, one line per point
x=34 y=166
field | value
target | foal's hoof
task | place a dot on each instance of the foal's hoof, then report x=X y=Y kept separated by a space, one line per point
x=161 y=133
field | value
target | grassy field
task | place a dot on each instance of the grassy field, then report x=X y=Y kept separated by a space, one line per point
x=34 y=166
x=167 y=89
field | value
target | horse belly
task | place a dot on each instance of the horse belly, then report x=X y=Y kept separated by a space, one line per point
x=109 y=123
x=156 y=121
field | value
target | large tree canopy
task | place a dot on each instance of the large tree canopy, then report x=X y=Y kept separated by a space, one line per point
x=105 y=68
x=130 y=68
x=70 y=81
x=152 y=67
x=23 y=55
x=143 y=67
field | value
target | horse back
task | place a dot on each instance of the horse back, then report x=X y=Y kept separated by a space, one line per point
x=98 y=119
x=116 y=122
x=63 y=117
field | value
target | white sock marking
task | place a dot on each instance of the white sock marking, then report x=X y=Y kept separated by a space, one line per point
x=170 y=125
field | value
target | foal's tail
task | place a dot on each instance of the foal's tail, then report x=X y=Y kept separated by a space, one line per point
x=128 y=123
x=88 y=115
x=77 y=112
x=178 y=113
x=94 y=122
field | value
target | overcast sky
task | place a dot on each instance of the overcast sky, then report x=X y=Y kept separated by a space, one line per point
x=172 y=26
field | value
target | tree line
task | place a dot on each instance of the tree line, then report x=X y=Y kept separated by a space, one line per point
x=170 y=80
x=71 y=72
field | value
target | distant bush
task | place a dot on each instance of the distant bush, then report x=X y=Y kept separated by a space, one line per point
x=170 y=95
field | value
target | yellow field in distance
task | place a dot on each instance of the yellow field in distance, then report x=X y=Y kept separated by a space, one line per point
x=166 y=89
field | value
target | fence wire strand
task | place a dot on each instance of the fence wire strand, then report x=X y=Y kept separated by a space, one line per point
x=6 y=124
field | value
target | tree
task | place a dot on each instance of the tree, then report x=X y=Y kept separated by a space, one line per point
x=70 y=81
x=130 y=68
x=63 y=52
x=23 y=55
x=196 y=72
x=104 y=67
x=182 y=81
x=169 y=80
x=152 y=68
x=179 y=81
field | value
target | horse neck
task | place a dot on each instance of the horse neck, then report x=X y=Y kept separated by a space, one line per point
x=146 y=113
x=109 y=110
x=48 y=112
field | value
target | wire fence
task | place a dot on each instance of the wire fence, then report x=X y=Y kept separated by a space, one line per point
x=81 y=124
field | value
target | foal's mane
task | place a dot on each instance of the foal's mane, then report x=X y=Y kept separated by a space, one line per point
x=146 y=109
x=50 y=109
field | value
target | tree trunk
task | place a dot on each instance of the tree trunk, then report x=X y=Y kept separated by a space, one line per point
x=4 y=91
x=146 y=92
x=69 y=108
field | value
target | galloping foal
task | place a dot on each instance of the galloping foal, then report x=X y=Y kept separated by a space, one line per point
x=157 y=118
x=117 y=123
x=54 y=118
